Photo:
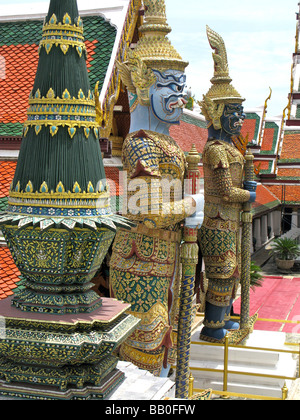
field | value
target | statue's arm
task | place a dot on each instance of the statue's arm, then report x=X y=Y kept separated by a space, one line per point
x=227 y=191
x=217 y=158
x=148 y=198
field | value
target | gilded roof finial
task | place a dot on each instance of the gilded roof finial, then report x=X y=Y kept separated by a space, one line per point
x=154 y=48
x=221 y=69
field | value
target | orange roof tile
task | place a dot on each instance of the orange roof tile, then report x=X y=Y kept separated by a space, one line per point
x=9 y=273
x=249 y=127
x=290 y=172
x=264 y=196
x=292 y=192
x=7 y=171
x=20 y=69
x=268 y=139
x=187 y=134
x=291 y=146
x=265 y=200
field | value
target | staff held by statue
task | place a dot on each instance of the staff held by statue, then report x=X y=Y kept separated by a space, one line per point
x=189 y=259
x=249 y=182
x=246 y=244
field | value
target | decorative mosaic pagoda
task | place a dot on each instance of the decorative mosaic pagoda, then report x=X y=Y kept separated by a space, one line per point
x=59 y=335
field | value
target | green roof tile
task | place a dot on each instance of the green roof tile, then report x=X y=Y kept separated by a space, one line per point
x=11 y=129
x=28 y=32
x=3 y=203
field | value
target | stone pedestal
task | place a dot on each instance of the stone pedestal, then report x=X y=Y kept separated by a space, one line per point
x=65 y=357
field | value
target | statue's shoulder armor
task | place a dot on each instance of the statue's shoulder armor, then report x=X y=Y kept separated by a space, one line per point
x=220 y=154
x=141 y=155
x=215 y=155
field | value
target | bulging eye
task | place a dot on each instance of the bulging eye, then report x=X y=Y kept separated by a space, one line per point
x=176 y=88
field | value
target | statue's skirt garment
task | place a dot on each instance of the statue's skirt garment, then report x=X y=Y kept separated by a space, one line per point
x=145 y=273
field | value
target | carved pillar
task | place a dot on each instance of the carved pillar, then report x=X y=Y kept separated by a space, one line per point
x=271 y=225
x=257 y=233
x=295 y=219
x=264 y=229
x=277 y=223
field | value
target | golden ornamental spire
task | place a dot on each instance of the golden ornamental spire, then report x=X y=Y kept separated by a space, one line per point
x=154 y=51
x=154 y=48
x=155 y=17
x=221 y=69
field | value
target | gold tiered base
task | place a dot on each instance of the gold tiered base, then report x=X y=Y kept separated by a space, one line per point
x=63 y=357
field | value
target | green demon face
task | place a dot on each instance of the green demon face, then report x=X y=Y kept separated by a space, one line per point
x=232 y=119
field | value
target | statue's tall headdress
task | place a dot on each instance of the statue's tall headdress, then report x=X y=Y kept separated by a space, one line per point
x=154 y=51
x=221 y=91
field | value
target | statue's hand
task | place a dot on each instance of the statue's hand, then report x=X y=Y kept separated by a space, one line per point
x=196 y=219
x=252 y=197
x=251 y=187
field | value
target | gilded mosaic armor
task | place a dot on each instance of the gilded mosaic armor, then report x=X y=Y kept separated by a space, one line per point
x=219 y=235
x=145 y=263
x=225 y=193
x=144 y=268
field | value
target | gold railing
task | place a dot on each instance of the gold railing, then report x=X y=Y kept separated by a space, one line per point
x=226 y=371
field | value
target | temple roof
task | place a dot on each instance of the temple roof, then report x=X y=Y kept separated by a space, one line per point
x=9 y=274
x=19 y=47
x=192 y=129
x=265 y=200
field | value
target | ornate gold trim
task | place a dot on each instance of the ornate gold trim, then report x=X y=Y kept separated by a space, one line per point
x=63 y=34
x=213 y=324
x=58 y=112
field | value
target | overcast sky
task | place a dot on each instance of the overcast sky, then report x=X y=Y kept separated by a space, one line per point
x=260 y=40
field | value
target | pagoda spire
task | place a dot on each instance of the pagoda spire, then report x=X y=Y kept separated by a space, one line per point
x=58 y=222
x=60 y=149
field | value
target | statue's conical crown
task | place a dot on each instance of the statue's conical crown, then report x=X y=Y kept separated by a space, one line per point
x=221 y=92
x=221 y=89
